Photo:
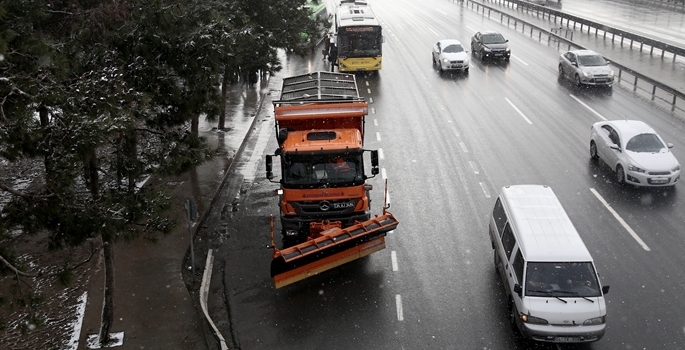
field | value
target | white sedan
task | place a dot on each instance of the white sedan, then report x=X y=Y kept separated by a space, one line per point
x=449 y=54
x=637 y=154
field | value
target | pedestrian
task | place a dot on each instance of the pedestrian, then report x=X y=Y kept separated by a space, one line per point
x=333 y=56
x=326 y=45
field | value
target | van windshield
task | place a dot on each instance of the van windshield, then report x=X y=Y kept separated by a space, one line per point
x=567 y=279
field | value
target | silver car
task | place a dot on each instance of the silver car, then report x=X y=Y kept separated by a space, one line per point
x=637 y=154
x=585 y=67
x=449 y=54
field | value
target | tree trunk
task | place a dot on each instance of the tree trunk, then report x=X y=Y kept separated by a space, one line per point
x=224 y=93
x=195 y=125
x=108 y=302
x=91 y=175
x=48 y=161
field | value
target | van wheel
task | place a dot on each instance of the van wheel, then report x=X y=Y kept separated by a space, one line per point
x=496 y=260
x=512 y=315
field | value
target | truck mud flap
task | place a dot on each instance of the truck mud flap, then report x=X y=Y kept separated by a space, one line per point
x=332 y=248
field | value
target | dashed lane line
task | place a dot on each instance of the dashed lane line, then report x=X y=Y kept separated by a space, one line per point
x=620 y=220
x=588 y=107
x=393 y=259
x=398 y=303
x=519 y=111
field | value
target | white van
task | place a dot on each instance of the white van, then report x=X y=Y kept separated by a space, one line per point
x=551 y=282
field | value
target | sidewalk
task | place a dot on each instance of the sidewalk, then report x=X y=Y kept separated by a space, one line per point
x=152 y=306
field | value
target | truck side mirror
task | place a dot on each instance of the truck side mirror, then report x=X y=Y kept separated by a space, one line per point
x=605 y=289
x=374 y=163
x=517 y=289
x=269 y=167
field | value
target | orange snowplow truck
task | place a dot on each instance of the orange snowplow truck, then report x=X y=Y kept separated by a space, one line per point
x=324 y=198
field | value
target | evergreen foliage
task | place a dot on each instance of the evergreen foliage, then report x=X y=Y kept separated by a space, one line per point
x=99 y=94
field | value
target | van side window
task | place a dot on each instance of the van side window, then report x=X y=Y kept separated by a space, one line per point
x=500 y=216
x=508 y=240
x=518 y=264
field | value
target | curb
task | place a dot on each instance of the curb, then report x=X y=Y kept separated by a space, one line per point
x=211 y=337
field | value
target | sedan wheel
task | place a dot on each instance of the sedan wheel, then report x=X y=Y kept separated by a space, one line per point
x=578 y=83
x=561 y=72
x=620 y=175
x=593 y=151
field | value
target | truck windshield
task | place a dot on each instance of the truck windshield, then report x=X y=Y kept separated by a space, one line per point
x=322 y=171
x=561 y=279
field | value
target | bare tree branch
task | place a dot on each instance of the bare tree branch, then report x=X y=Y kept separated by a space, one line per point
x=23 y=194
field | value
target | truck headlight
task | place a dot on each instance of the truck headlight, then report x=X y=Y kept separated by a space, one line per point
x=595 y=321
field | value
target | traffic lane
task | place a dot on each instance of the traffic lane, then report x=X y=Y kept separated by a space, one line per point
x=440 y=234
x=309 y=313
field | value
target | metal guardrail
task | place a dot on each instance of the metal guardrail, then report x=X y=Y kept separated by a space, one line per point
x=574 y=22
x=662 y=95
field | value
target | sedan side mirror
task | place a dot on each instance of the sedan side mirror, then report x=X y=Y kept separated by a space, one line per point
x=517 y=289
x=605 y=289
x=613 y=146
x=670 y=145
x=575 y=64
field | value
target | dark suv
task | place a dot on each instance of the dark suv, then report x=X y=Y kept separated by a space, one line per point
x=490 y=44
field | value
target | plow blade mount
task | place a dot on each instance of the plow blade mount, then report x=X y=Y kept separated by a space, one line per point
x=332 y=248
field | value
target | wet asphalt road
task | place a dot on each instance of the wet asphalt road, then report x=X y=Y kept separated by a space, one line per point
x=449 y=143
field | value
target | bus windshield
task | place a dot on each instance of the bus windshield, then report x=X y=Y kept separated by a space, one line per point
x=361 y=41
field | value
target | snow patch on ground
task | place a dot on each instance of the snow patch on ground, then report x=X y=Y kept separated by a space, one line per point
x=72 y=344
x=117 y=339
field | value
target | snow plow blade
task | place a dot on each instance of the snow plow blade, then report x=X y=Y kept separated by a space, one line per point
x=331 y=249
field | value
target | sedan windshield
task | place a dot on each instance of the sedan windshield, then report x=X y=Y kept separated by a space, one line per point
x=453 y=48
x=493 y=39
x=570 y=279
x=592 y=60
x=648 y=143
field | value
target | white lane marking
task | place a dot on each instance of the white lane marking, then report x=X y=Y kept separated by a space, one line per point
x=373 y=111
x=471 y=29
x=398 y=302
x=370 y=99
x=620 y=220
x=519 y=112
x=375 y=122
x=378 y=136
x=474 y=167
x=431 y=29
x=463 y=147
x=393 y=259
x=485 y=189
x=383 y=175
x=380 y=154
x=367 y=83
x=520 y=60
x=588 y=107
x=368 y=90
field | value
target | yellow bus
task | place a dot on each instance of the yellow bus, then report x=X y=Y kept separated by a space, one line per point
x=359 y=37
